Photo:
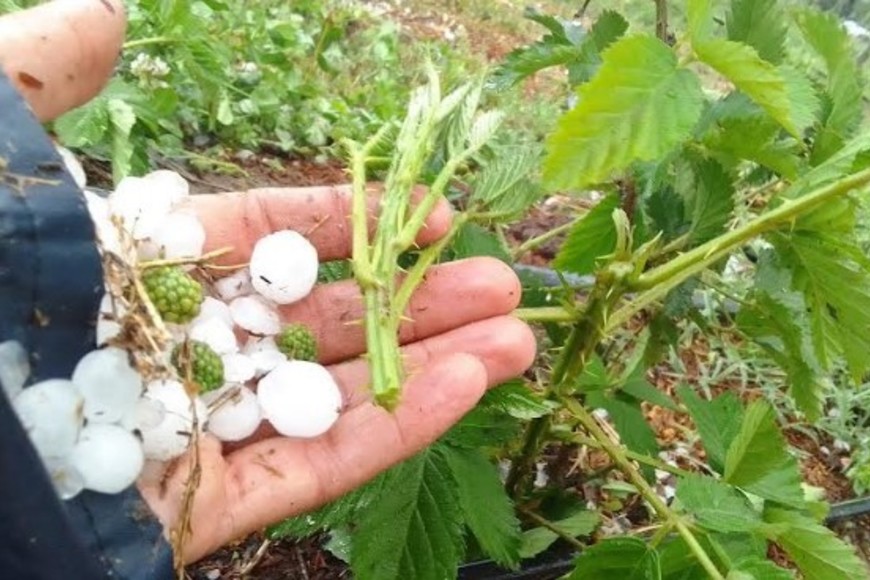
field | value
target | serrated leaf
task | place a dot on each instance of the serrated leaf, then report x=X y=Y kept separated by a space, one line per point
x=758 y=569
x=484 y=128
x=832 y=169
x=777 y=321
x=592 y=237
x=836 y=288
x=708 y=198
x=564 y=30
x=640 y=388
x=802 y=97
x=717 y=506
x=761 y=24
x=594 y=376
x=524 y=62
x=608 y=28
x=536 y=540
x=415 y=529
x=825 y=34
x=758 y=460
x=818 y=553
x=504 y=186
x=666 y=212
x=700 y=19
x=718 y=422
x=757 y=78
x=629 y=421
x=638 y=106
x=623 y=558
x=83 y=126
x=517 y=400
x=486 y=507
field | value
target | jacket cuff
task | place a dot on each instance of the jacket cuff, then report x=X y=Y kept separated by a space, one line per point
x=50 y=286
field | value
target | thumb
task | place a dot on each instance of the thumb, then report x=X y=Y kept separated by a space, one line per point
x=60 y=54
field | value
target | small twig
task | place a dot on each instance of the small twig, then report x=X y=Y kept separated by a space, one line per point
x=532 y=243
x=542 y=521
x=249 y=566
x=201 y=260
x=302 y=565
x=662 y=20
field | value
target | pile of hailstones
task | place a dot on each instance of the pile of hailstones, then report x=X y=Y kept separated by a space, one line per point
x=99 y=429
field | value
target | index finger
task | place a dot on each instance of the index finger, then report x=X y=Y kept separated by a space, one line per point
x=322 y=214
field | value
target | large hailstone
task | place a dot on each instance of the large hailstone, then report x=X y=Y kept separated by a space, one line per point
x=238 y=368
x=101 y=216
x=14 y=368
x=109 y=385
x=237 y=416
x=213 y=308
x=171 y=436
x=255 y=315
x=109 y=458
x=284 y=267
x=300 y=399
x=51 y=413
x=181 y=235
x=264 y=353
x=216 y=334
x=234 y=285
x=143 y=203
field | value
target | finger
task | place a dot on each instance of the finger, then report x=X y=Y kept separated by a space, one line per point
x=504 y=345
x=280 y=477
x=322 y=214
x=452 y=294
x=60 y=54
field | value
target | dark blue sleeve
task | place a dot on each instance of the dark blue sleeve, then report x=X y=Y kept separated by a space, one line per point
x=50 y=287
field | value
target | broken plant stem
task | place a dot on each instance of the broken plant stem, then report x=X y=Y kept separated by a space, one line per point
x=617 y=453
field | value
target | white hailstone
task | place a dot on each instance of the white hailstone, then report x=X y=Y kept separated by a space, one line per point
x=264 y=353
x=216 y=334
x=238 y=415
x=145 y=414
x=108 y=457
x=255 y=315
x=300 y=399
x=107 y=321
x=234 y=285
x=72 y=165
x=109 y=385
x=284 y=267
x=238 y=368
x=171 y=436
x=14 y=368
x=107 y=232
x=143 y=203
x=213 y=308
x=181 y=235
x=50 y=411
x=68 y=482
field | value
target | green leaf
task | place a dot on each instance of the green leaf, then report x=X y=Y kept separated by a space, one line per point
x=718 y=422
x=818 y=553
x=825 y=34
x=834 y=278
x=483 y=427
x=802 y=97
x=761 y=24
x=627 y=417
x=708 y=198
x=700 y=19
x=757 y=78
x=640 y=388
x=536 y=540
x=716 y=506
x=517 y=400
x=486 y=508
x=564 y=31
x=504 y=186
x=122 y=117
x=415 y=529
x=591 y=238
x=594 y=376
x=83 y=126
x=608 y=28
x=638 y=106
x=758 y=569
x=474 y=240
x=777 y=321
x=524 y=62
x=623 y=558
x=836 y=166
x=758 y=460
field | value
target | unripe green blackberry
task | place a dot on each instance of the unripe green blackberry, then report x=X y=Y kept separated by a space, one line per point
x=174 y=293
x=297 y=343
x=206 y=366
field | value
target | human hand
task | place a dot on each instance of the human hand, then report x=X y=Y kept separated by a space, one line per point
x=459 y=340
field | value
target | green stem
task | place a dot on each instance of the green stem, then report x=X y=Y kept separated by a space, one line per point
x=546 y=314
x=542 y=521
x=639 y=457
x=617 y=453
x=532 y=243
x=146 y=41
x=662 y=20
x=660 y=535
x=661 y=280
